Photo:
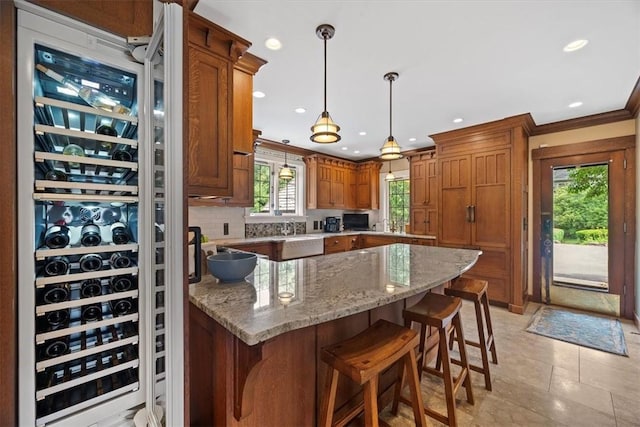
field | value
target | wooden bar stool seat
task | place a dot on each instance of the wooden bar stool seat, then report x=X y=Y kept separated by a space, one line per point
x=441 y=312
x=362 y=358
x=476 y=291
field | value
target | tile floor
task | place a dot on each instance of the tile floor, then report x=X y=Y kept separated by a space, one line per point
x=540 y=381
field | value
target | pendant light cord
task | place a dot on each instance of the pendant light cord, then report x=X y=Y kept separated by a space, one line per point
x=324 y=36
x=390 y=106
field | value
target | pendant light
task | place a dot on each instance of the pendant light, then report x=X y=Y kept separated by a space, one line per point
x=390 y=149
x=325 y=130
x=390 y=176
x=285 y=173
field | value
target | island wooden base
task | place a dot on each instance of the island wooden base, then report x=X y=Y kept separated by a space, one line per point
x=278 y=382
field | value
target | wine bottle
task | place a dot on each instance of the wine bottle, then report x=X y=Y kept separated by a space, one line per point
x=90 y=235
x=119 y=234
x=53 y=320
x=121 y=307
x=121 y=283
x=91 y=96
x=90 y=262
x=53 y=294
x=120 y=260
x=91 y=312
x=56 y=266
x=54 y=348
x=90 y=288
x=57 y=236
x=121 y=156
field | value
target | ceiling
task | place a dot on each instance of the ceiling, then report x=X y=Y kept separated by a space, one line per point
x=477 y=60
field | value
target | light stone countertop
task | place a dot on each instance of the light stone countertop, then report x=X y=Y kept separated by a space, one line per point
x=325 y=287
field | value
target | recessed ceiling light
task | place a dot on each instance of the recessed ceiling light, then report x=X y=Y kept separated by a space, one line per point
x=273 y=43
x=575 y=104
x=412 y=139
x=362 y=133
x=356 y=152
x=258 y=94
x=458 y=120
x=575 y=45
x=345 y=148
x=300 y=110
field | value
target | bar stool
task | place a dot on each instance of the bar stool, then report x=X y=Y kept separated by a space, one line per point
x=476 y=291
x=441 y=312
x=362 y=358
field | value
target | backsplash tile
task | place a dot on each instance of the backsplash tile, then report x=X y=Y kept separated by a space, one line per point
x=272 y=229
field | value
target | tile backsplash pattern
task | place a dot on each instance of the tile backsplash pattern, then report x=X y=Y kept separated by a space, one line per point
x=211 y=220
x=272 y=229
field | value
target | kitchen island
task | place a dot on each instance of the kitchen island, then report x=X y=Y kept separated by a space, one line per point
x=254 y=345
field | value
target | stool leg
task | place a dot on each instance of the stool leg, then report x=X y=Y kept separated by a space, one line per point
x=487 y=317
x=457 y=324
x=483 y=346
x=443 y=349
x=414 y=387
x=397 y=391
x=371 y=402
x=329 y=398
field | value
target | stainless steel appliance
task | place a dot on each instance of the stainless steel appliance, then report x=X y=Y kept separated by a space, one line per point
x=332 y=224
x=99 y=327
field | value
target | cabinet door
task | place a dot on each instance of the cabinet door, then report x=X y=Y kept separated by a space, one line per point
x=242 y=112
x=338 y=184
x=455 y=201
x=419 y=221
x=363 y=196
x=210 y=150
x=418 y=183
x=243 y=167
x=490 y=199
x=121 y=17
x=351 y=201
x=324 y=186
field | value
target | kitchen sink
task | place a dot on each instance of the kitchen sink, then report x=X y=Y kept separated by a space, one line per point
x=302 y=246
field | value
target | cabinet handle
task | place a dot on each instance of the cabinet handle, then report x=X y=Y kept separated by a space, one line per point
x=473 y=213
x=468 y=217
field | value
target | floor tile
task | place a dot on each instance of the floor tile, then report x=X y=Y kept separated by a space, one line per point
x=593 y=397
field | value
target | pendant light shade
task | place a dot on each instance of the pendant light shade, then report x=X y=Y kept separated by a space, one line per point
x=390 y=176
x=285 y=173
x=390 y=149
x=325 y=130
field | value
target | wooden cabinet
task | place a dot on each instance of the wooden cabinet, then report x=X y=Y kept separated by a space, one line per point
x=243 y=72
x=339 y=184
x=482 y=201
x=424 y=193
x=337 y=244
x=262 y=248
x=327 y=182
x=211 y=52
x=121 y=17
x=372 y=240
x=368 y=185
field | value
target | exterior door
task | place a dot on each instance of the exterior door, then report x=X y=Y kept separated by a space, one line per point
x=616 y=298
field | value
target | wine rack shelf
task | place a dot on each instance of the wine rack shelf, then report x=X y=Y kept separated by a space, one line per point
x=87 y=188
x=41 y=156
x=59 y=107
x=68 y=134
x=42 y=337
x=82 y=250
x=75 y=277
x=46 y=308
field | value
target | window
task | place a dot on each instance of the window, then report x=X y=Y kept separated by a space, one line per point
x=398 y=214
x=274 y=196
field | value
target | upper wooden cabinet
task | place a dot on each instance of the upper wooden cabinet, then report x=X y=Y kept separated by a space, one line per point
x=482 y=187
x=212 y=52
x=423 y=183
x=368 y=185
x=243 y=72
x=121 y=17
x=340 y=184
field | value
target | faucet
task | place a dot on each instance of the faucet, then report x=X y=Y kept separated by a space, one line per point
x=285 y=227
x=293 y=226
x=385 y=221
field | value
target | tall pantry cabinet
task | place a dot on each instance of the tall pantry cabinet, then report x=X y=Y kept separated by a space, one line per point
x=424 y=193
x=483 y=202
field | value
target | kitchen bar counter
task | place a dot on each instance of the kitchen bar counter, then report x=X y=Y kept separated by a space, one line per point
x=325 y=287
x=254 y=356
x=279 y=238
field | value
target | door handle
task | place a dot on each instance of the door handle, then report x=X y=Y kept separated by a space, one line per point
x=468 y=216
x=473 y=213
x=197 y=255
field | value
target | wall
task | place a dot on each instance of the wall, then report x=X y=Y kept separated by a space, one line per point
x=592 y=133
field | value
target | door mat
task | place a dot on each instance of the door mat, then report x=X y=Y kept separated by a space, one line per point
x=587 y=330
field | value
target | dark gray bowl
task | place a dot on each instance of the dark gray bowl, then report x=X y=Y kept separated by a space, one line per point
x=231 y=266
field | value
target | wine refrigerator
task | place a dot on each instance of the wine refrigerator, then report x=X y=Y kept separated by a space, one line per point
x=99 y=284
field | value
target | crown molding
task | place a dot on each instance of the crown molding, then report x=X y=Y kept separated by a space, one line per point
x=633 y=103
x=583 y=122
